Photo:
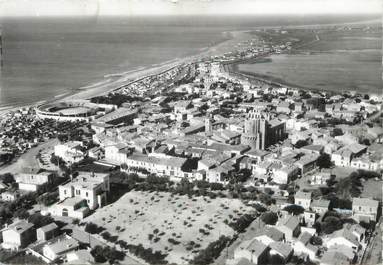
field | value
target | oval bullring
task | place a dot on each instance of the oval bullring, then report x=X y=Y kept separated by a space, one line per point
x=80 y=110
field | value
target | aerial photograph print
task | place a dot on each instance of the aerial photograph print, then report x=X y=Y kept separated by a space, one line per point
x=191 y=132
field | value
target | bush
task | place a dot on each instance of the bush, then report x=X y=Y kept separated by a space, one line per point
x=173 y=241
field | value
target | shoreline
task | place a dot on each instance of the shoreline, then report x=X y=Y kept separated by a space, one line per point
x=232 y=68
x=113 y=81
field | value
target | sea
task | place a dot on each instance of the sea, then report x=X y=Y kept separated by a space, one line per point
x=44 y=58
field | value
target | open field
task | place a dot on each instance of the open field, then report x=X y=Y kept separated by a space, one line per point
x=191 y=224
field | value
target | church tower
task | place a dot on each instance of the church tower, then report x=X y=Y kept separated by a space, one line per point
x=208 y=125
x=255 y=131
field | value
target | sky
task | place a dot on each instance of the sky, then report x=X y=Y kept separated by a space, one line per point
x=14 y=8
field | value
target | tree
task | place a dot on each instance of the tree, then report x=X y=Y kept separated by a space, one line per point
x=349 y=186
x=147 y=254
x=365 y=141
x=40 y=220
x=216 y=186
x=300 y=143
x=276 y=260
x=103 y=254
x=48 y=199
x=294 y=209
x=266 y=199
x=269 y=218
x=211 y=252
x=316 y=240
x=106 y=235
x=92 y=228
x=337 y=132
x=242 y=223
x=324 y=161
x=331 y=224
x=7 y=178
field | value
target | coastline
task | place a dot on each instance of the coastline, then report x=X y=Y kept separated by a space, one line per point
x=112 y=81
x=116 y=80
x=272 y=80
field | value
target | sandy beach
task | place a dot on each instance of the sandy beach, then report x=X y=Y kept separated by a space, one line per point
x=130 y=76
x=114 y=81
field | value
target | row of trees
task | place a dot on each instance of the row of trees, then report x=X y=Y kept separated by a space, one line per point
x=103 y=254
x=114 y=99
x=211 y=252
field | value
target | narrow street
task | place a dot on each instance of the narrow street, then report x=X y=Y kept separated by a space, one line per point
x=373 y=253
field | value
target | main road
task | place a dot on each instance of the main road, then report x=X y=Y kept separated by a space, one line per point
x=28 y=159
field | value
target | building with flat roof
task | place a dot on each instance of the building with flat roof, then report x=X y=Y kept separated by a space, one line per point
x=90 y=186
x=163 y=166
